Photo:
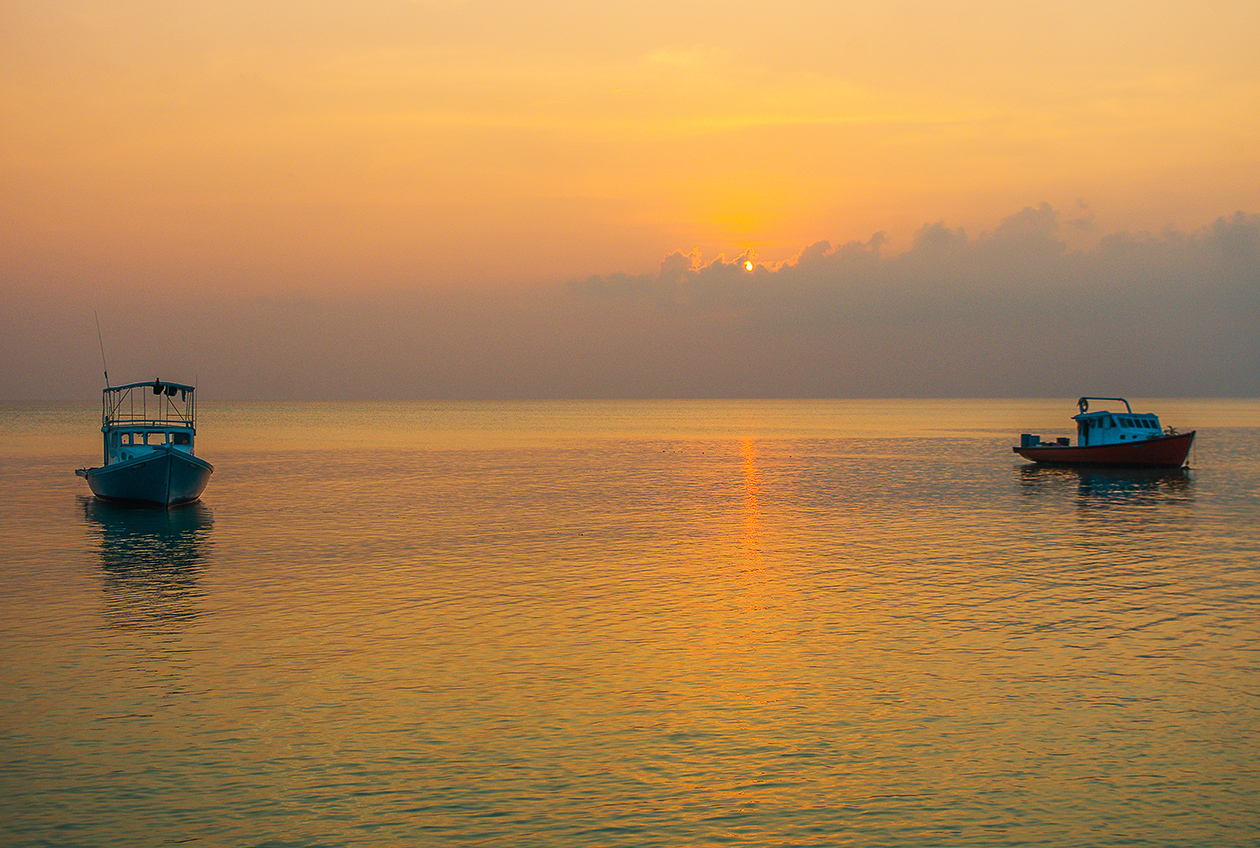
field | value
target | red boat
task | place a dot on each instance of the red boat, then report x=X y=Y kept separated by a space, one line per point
x=1111 y=438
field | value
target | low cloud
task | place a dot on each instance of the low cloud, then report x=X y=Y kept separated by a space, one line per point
x=1007 y=312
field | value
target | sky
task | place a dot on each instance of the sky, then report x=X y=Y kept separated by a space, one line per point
x=449 y=199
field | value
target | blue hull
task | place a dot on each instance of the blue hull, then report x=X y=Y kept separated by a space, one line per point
x=164 y=477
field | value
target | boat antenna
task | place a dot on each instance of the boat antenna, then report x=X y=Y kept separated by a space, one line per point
x=101 y=342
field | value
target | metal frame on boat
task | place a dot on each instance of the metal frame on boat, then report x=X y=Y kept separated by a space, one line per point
x=1111 y=438
x=148 y=433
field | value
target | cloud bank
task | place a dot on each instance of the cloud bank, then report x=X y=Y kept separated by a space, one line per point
x=1007 y=312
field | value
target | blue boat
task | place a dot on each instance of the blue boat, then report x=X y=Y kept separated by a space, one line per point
x=149 y=431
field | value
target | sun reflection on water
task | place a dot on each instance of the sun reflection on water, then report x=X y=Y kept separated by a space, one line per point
x=754 y=560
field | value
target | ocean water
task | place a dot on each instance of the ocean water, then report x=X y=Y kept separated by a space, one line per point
x=801 y=623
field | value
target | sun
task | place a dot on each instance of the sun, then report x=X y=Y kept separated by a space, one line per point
x=748 y=266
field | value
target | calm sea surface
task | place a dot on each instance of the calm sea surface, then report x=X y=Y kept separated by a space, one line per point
x=624 y=624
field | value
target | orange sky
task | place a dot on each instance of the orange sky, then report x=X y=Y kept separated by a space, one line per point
x=480 y=198
x=322 y=146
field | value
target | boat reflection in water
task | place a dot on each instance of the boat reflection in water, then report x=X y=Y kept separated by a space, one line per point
x=151 y=560
x=1099 y=489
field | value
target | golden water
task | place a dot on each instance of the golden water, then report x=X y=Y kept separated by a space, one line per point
x=656 y=623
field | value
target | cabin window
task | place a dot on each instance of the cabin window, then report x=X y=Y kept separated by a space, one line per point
x=181 y=438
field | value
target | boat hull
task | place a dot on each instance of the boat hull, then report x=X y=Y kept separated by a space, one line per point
x=165 y=477
x=1159 y=452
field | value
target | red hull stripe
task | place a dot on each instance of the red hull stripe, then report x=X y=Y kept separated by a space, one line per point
x=1163 y=451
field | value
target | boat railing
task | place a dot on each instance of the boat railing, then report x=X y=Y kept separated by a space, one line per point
x=148 y=423
x=155 y=404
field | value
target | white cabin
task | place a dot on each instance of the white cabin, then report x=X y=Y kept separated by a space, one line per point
x=125 y=443
x=141 y=418
x=1105 y=427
